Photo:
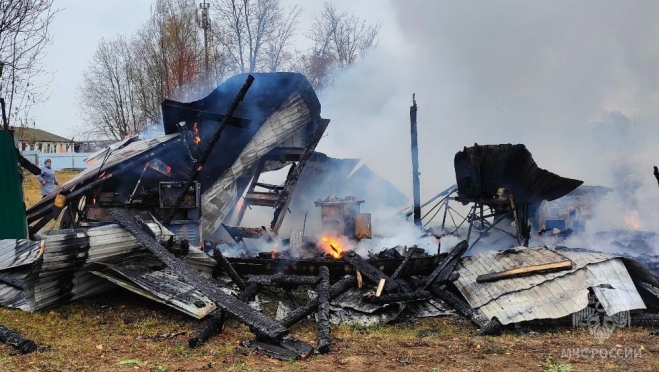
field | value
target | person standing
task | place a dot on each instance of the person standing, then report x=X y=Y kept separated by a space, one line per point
x=47 y=179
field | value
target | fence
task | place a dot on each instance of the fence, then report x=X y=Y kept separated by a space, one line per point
x=59 y=160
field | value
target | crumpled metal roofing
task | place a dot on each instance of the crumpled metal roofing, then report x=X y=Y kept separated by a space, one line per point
x=546 y=296
x=481 y=169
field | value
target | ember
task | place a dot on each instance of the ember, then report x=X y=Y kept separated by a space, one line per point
x=195 y=129
x=632 y=221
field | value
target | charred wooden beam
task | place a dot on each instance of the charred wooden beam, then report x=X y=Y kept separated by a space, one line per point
x=370 y=272
x=238 y=233
x=294 y=175
x=301 y=348
x=15 y=340
x=402 y=265
x=398 y=297
x=258 y=323
x=209 y=148
x=283 y=279
x=645 y=320
x=656 y=173
x=446 y=266
x=208 y=328
x=324 y=327
x=249 y=292
x=273 y=351
x=525 y=271
x=227 y=268
x=302 y=312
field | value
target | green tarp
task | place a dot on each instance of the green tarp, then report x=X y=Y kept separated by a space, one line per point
x=12 y=208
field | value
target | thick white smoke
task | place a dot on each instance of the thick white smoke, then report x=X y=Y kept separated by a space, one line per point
x=576 y=82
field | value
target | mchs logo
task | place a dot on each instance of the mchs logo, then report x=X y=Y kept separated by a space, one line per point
x=600 y=325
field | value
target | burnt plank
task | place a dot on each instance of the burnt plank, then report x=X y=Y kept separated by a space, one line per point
x=227 y=268
x=398 y=297
x=258 y=323
x=370 y=272
x=487 y=327
x=208 y=328
x=525 y=271
x=324 y=327
x=402 y=265
x=446 y=266
x=283 y=279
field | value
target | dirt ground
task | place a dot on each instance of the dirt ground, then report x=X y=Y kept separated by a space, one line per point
x=121 y=331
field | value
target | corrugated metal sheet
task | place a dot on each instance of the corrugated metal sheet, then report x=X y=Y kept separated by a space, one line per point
x=481 y=169
x=57 y=269
x=160 y=285
x=286 y=127
x=122 y=155
x=543 y=296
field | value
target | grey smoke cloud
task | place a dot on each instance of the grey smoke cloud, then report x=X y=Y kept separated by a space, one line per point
x=546 y=74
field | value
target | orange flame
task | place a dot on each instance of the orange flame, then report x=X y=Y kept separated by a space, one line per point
x=273 y=255
x=195 y=129
x=632 y=221
x=332 y=246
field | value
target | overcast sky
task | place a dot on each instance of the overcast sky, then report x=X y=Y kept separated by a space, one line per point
x=547 y=74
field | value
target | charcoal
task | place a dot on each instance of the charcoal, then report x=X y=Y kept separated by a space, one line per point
x=398 y=297
x=15 y=340
x=226 y=267
x=446 y=266
x=210 y=327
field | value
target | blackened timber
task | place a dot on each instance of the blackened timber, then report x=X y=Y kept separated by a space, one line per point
x=226 y=266
x=301 y=348
x=273 y=351
x=300 y=313
x=446 y=266
x=209 y=148
x=259 y=324
x=248 y=293
x=208 y=328
x=283 y=279
x=656 y=173
x=398 y=297
x=370 y=272
x=15 y=340
x=291 y=180
x=402 y=265
x=324 y=326
x=216 y=320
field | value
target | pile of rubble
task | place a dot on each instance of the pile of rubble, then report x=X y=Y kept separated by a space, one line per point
x=136 y=217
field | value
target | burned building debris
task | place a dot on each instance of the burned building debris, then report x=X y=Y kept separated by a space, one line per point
x=164 y=218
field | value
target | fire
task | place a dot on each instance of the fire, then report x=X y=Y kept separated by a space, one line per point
x=333 y=246
x=632 y=221
x=195 y=129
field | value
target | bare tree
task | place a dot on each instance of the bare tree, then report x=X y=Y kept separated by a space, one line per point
x=108 y=92
x=23 y=37
x=339 y=39
x=255 y=33
x=128 y=79
x=343 y=35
